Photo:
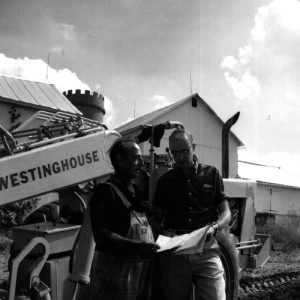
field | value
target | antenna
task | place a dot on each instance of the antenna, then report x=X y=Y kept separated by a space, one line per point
x=48 y=62
x=191 y=89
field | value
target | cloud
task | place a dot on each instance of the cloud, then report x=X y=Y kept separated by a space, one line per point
x=239 y=75
x=271 y=57
x=159 y=101
x=38 y=70
x=243 y=87
x=66 y=31
x=280 y=14
x=98 y=87
x=64 y=79
x=110 y=113
x=264 y=75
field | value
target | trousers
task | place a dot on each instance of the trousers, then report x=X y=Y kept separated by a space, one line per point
x=200 y=275
x=120 y=279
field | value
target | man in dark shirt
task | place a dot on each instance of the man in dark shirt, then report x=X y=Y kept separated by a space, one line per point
x=124 y=240
x=189 y=197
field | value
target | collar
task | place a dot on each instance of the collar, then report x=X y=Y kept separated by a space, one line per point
x=113 y=178
x=194 y=169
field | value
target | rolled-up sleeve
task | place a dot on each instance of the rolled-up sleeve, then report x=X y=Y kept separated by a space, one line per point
x=220 y=195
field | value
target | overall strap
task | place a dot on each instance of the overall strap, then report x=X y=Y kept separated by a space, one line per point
x=120 y=194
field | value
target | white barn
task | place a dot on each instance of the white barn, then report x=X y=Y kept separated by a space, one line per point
x=204 y=124
x=278 y=192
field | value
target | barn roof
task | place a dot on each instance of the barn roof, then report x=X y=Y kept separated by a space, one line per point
x=151 y=117
x=34 y=94
x=264 y=174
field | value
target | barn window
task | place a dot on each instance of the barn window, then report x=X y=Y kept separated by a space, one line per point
x=194 y=102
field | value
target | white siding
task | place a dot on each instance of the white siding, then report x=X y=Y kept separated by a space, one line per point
x=277 y=199
x=5 y=121
x=207 y=132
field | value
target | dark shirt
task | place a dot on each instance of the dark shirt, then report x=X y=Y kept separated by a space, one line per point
x=109 y=213
x=189 y=202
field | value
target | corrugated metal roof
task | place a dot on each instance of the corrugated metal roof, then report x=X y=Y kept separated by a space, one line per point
x=267 y=174
x=32 y=93
x=150 y=117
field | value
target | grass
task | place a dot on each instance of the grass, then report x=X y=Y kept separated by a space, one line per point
x=285 y=231
x=5 y=243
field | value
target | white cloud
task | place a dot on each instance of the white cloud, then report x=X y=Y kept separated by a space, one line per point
x=66 y=31
x=110 y=113
x=239 y=75
x=270 y=54
x=64 y=79
x=264 y=76
x=38 y=70
x=159 y=101
x=243 y=87
x=282 y=14
x=229 y=62
x=98 y=87
x=258 y=32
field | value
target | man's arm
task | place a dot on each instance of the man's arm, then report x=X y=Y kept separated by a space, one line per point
x=224 y=215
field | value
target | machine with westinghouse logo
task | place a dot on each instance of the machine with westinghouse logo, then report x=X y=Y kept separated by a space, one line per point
x=58 y=163
x=46 y=162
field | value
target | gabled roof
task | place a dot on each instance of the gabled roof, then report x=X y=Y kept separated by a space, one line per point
x=151 y=117
x=264 y=174
x=34 y=94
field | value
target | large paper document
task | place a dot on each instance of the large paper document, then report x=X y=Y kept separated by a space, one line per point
x=184 y=244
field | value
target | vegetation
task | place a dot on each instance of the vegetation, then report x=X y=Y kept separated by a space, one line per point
x=5 y=244
x=13 y=215
x=285 y=231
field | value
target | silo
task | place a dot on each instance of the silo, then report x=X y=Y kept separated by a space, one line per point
x=91 y=104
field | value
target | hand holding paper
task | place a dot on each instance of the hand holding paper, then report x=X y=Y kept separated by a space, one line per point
x=184 y=244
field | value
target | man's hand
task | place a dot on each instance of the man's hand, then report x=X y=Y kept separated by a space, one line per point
x=147 y=250
x=211 y=232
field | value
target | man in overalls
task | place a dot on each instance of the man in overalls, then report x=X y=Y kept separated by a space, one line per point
x=124 y=240
x=189 y=197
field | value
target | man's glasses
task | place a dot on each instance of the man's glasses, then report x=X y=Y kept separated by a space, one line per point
x=178 y=152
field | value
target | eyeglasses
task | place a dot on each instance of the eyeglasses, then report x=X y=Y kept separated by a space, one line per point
x=178 y=152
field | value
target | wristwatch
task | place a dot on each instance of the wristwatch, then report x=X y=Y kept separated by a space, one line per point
x=215 y=226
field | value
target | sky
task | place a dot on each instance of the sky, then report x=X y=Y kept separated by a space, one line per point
x=238 y=55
